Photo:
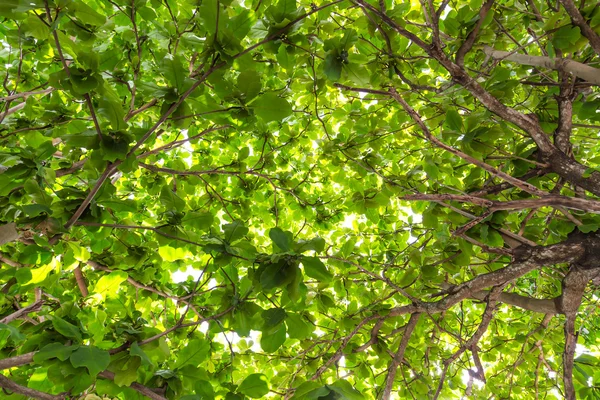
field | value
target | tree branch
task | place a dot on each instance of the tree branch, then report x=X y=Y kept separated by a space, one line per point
x=24 y=95
x=527 y=187
x=17 y=361
x=569 y=169
x=22 y=312
x=583 y=71
x=544 y=306
x=399 y=357
x=579 y=21
x=144 y=390
x=526 y=259
x=25 y=391
x=472 y=36
x=591 y=206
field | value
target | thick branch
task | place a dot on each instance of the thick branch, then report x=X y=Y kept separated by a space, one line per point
x=544 y=306
x=7 y=384
x=399 y=357
x=590 y=206
x=146 y=391
x=81 y=281
x=526 y=260
x=8 y=233
x=583 y=71
x=22 y=312
x=562 y=134
x=17 y=361
x=573 y=288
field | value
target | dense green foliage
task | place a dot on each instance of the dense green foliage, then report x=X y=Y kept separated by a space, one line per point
x=341 y=182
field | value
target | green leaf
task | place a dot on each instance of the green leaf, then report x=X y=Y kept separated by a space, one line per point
x=587 y=228
x=283 y=58
x=94 y=359
x=208 y=13
x=37 y=28
x=136 y=350
x=196 y=352
x=271 y=107
x=244 y=153
x=83 y=81
x=333 y=67
x=54 y=350
x=454 y=120
x=280 y=238
x=114 y=147
x=198 y=220
x=173 y=70
x=113 y=112
x=13 y=332
x=249 y=84
x=171 y=200
x=126 y=375
x=254 y=386
x=315 y=268
x=357 y=74
x=234 y=231
x=204 y=390
x=66 y=329
x=316 y=244
x=345 y=390
x=86 y=14
x=565 y=37
x=273 y=339
x=277 y=275
x=108 y=285
x=311 y=391
x=272 y=318
x=297 y=326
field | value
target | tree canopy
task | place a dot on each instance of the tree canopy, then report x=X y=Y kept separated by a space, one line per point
x=231 y=199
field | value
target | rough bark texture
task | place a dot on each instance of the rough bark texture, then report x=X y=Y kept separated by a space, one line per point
x=579 y=21
x=11 y=386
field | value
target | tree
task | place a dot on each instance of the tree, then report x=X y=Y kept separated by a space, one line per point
x=371 y=199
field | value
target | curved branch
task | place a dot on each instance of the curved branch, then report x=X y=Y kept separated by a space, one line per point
x=526 y=259
x=25 y=391
x=146 y=391
x=579 y=21
x=472 y=36
x=397 y=360
x=22 y=312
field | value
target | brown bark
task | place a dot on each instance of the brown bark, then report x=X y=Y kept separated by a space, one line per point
x=399 y=357
x=579 y=21
x=146 y=391
x=14 y=387
x=472 y=36
x=22 y=312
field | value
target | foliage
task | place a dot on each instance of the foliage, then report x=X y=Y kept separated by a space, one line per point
x=365 y=199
